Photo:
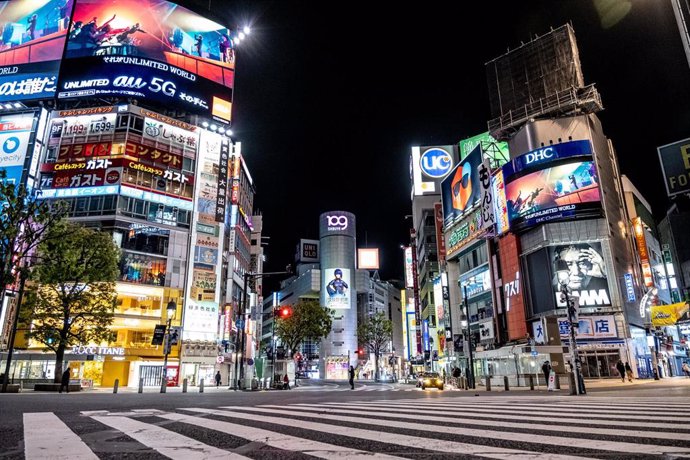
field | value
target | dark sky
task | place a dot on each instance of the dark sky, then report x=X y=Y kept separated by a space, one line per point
x=330 y=96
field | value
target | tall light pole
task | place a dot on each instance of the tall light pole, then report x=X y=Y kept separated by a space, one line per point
x=171 y=309
x=470 y=368
x=563 y=274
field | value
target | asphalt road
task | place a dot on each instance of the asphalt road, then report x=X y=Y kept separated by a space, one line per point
x=327 y=420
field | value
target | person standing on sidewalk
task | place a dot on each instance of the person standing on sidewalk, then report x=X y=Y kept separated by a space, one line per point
x=621 y=370
x=351 y=375
x=218 y=378
x=629 y=372
x=546 y=369
x=64 y=382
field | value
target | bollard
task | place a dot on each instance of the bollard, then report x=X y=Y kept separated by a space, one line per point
x=488 y=384
x=184 y=386
x=506 y=386
x=201 y=386
x=141 y=385
x=531 y=382
x=557 y=382
x=573 y=390
x=115 y=386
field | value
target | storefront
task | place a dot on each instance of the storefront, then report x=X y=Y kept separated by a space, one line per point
x=337 y=367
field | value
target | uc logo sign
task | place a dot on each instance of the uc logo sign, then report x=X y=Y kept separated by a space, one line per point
x=436 y=163
x=336 y=222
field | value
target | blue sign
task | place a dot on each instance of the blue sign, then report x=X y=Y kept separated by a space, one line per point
x=240 y=324
x=546 y=155
x=534 y=353
x=629 y=287
x=425 y=335
x=436 y=162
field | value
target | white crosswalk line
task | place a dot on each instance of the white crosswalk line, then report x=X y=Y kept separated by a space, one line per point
x=46 y=436
x=504 y=424
x=388 y=438
x=168 y=443
x=274 y=439
x=489 y=415
x=552 y=410
x=607 y=445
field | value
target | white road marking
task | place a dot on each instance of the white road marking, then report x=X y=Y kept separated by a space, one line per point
x=166 y=442
x=506 y=435
x=278 y=440
x=439 y=445
x=46 y=436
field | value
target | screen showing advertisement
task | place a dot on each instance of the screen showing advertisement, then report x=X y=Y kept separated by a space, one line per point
x=461 y=190
x=153 y=50
x=588 y=277
x=15 y=135
x=31 y=45
x=555 y=193
x=337 y=288
x=498 y=188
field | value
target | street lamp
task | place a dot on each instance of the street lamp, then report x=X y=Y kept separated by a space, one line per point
x=171 y=309
x=563 y=274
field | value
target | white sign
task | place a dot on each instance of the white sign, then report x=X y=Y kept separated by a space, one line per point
x=486 y=202
x=83 y=125
x=94 y=350
x=409 y=273
x=168 y=134
x=590 y=327
x=337 y=223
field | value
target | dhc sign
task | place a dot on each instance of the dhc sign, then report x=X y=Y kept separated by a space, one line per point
x=546 y=155
x=436 y=163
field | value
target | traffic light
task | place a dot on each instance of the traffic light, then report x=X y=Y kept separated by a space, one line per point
x=284 y=312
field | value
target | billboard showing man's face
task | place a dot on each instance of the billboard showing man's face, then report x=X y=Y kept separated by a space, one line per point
x=587 y=274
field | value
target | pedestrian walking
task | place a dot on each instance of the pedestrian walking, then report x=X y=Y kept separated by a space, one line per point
x=546 y=369
x=64 y=382
x=621 y=370
x=286 y=382
x=351 y=375
x=218 y=378
x=686 y=369
x=629 y=372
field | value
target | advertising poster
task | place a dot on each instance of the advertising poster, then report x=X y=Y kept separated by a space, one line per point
x=203 y=285
x=498 y=189
x=150 y=49
x=31 y=45
x=555 y=193
x=588 y=276
x=337 y=288
x=461 y=190
x=15 y=134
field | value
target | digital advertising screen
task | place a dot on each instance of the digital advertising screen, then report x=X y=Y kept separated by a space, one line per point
x=337 y=288
x=31 y=45
x=15 y=135
x=461 y=190
x=554 y=193
x=151 y=50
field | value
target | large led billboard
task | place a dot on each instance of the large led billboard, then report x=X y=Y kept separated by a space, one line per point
x=15 y=135
x=337 y=288
x=31 y=45
x=461 y=190
x=554 y=193
x=151 y=50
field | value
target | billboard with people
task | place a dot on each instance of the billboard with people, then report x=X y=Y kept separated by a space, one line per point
x=32 y=38
x=151 y=50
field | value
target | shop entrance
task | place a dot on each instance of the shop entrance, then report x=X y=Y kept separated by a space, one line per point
x=599 y=364
x=152 y=375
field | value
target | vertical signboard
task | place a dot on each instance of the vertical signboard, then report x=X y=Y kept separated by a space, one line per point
x=203 y=280
x=409 y=272
x=337 y=288
x=486 y=197
x=222 y=182
x=498 y=189
x=642 y=251
x=440 y=240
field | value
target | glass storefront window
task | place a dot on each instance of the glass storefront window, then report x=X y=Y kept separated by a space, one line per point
x=146 y=238
x=142 y=269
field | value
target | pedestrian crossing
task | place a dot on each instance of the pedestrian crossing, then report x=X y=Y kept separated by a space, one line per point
x=501 y=427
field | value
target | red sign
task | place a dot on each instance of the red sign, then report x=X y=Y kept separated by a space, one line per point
x=440 y=241
x=72 y=179
x=74 y=152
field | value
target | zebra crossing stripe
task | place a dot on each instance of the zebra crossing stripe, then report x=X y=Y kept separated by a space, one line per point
x=606 y=445
x=46 y=436
x=439 y=445
x=274 y=439
x=558 y=404
x=168 y=443
x=490 y=415
x=551 y=410
x=504 y=424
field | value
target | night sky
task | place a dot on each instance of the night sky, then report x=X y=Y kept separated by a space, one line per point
x=330 y=96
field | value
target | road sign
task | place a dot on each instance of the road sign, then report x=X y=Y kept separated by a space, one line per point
x=240 y=324
x=534 y=353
